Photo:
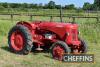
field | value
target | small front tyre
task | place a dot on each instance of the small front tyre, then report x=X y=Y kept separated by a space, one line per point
x=58 y=49
x=83 y=46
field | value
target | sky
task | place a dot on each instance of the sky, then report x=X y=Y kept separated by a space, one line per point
x=78 y=3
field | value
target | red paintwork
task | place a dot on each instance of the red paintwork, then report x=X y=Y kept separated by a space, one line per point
x=17 y=40
x=44 y=34
x=58 y=52
x=61 y=31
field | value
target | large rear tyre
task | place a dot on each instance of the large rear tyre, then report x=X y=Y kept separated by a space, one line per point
x=58 y=49
x=20 y=40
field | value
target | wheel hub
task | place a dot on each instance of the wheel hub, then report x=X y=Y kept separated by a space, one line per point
x=17 y=40
x=58 y=52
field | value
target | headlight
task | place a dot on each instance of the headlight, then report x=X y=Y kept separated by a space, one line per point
x=67 y=34
x=78 y=32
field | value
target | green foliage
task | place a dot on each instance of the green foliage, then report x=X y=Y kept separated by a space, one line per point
x=71 y=6
x=14 y=5
x=94 y=6
x=1 y=7
x=5 y=5
x=50 y=5
x=58 y=6
x=97 y=4
x=87 y=6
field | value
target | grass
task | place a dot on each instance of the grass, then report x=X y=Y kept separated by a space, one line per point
x=51 y=11
x=89 y=30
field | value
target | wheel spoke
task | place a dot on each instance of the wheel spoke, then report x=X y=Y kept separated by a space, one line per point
x=58 y=52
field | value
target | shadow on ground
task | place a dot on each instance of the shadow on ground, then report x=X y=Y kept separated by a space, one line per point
x=6 y=48
x=47 y=55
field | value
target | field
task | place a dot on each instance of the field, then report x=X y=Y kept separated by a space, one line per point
x=89 y=30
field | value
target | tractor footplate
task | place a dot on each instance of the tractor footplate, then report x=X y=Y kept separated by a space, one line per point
x=39 y=49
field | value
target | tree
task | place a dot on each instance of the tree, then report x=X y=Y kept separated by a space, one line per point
x=1 y=7
x=71 y=6
x=14 y=5
x=33 y=6
x=51 y=5
x=87 y=6
x=97 y=4
x=5 y=5
x=24 y=5
x=58 y=6
x=45 y=6
x=40 y=5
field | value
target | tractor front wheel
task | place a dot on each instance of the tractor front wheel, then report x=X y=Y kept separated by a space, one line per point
x=83 y=46
x=20 y=40
x=81 y=49
x=58 y=49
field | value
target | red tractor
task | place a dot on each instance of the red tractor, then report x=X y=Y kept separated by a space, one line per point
x=60 y=38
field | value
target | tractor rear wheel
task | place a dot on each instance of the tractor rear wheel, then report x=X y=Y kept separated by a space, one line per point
x=20 y=40
x=58 y=49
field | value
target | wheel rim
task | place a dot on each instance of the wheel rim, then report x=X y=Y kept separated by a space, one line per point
x=17 y=40
x=58 y=52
